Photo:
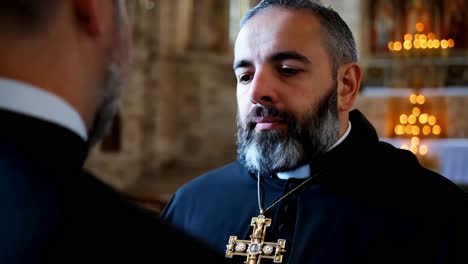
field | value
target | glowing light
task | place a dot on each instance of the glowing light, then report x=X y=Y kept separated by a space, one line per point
x=391 y=45
x=423 y=43
x=423 y=150
x=413 y=98
x=435 y=43
x=408 y=37
x=436 y=130
x=430 y=44
x=426 y=130
x=404 y=146
x=407 y=44
x=416 y=44
x=412 y=119
x=403 y=119
x=408 y=129
x=432 y=120
x=415 y=130
x=397 y=46
x=431 y=36
x=423 y=37
x=414 y=149
x=419 y=27
x=414 y=141
x=416 y=111
x=400 y=129
x=451 y=43
x=421 y=99
x=423 y=119
x=444 y=44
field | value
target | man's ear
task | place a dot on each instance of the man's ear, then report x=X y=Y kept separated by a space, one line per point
x=349 y=81
x=86 y=12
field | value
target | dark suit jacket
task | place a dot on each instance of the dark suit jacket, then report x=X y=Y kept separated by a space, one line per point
x=51 y=211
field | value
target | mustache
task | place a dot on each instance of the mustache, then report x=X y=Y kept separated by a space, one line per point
x=266 y=111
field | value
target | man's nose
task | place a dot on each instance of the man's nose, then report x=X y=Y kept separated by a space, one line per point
x=262 y=88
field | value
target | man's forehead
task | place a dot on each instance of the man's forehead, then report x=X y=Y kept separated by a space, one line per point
x=276 y=30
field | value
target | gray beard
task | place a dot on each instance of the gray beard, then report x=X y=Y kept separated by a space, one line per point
x=111 y=84
x=269 y=152
x=109 y=105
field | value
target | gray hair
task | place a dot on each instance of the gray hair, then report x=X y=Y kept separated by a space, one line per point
x=339 y=40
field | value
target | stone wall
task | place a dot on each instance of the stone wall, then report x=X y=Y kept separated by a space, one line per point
x=178 y=111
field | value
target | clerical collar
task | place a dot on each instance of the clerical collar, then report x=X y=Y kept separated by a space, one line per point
x=26 y=99
x=304 y=171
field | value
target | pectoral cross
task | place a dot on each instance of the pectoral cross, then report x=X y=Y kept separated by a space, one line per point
x=257 y=248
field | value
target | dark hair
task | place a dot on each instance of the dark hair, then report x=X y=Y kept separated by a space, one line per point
x=339 y=40
x=25 y=15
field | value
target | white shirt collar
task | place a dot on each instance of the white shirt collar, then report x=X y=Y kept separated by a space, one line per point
x=304 y=171
x=26 y=99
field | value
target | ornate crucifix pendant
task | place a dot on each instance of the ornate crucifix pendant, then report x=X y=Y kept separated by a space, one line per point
x=256 y=248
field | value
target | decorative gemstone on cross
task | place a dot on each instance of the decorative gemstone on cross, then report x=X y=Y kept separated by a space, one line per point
x=256 y=248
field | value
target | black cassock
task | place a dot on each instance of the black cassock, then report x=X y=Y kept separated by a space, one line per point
x=368 y=203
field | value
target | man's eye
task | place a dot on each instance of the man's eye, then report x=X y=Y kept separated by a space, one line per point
x=287 y=71
x=245 y=78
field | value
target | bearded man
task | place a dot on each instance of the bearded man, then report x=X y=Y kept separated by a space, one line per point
x=312 y=182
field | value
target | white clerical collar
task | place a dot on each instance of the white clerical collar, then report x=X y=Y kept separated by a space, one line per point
x=304 y=171
x=26 y=99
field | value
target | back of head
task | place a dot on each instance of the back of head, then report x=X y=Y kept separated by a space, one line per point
x=77 y=50
x=25 y=16
x=339 y=39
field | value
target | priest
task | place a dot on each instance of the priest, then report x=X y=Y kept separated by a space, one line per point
x=313 y=183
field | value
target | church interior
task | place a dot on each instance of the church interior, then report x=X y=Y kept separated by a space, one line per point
x=178 y=112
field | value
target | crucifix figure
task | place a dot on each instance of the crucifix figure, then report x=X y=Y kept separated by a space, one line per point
x=256 y=248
